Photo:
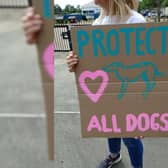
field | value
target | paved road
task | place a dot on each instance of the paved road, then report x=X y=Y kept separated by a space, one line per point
x=23 y=139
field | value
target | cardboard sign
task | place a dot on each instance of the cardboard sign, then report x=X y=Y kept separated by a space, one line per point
x=45 y=47
x=122 y=79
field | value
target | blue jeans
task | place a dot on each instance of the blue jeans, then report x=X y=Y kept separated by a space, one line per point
x=134 y=146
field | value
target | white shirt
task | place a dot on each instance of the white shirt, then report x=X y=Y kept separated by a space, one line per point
x=135 y=17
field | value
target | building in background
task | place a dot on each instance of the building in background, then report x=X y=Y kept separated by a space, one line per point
x=90 y=10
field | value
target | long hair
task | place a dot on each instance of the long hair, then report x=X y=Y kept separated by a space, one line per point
x=119 y=8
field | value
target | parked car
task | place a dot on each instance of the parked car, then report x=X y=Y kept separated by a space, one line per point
x=144 y=12
x=72 y=19
x=152 y=14
x=59 y=19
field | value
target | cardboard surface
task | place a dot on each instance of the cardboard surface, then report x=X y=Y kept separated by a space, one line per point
x=122 y=79
x=45 y=48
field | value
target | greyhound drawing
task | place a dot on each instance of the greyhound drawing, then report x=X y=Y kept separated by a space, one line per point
x=118 y=68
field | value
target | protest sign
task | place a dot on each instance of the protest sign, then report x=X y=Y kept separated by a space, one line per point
x=45 y=48
x=122 y=79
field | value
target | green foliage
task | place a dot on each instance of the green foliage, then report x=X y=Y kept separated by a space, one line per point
x=148 y=4
x=57 y=9
x=165 y=3
x=68 y=9
x=151 y=4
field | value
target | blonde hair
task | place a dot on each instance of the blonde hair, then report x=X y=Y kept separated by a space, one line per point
x=119 y=8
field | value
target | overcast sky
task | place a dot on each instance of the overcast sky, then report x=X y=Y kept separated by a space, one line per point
x=62 y=3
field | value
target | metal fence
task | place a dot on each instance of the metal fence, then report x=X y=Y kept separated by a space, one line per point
x=62 y=36
x=13 y=3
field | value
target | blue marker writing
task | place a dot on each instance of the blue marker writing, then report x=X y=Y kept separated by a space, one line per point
x=47 y=9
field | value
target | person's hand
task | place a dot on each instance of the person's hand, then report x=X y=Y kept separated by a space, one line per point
x=32 y=24
x=72 y=61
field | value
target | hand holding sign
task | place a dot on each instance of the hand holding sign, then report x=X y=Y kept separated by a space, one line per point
x=32 y=24
x=72 y=60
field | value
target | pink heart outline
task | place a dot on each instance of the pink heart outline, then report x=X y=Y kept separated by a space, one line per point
x=48 y=59
x=93 y=75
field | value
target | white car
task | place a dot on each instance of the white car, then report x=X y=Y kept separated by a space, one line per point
x=152 y=14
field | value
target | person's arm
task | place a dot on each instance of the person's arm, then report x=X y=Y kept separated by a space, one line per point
x=32 y=24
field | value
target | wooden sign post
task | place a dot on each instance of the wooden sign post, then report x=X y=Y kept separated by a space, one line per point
x=45 y=48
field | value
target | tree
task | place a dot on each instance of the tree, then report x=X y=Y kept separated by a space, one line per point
x=57 y=9
x=78 y=9
x=69 y=9
x=149 y=4
x=165 y=3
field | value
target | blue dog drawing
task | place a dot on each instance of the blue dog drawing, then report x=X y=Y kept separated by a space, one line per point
x=117 y=68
